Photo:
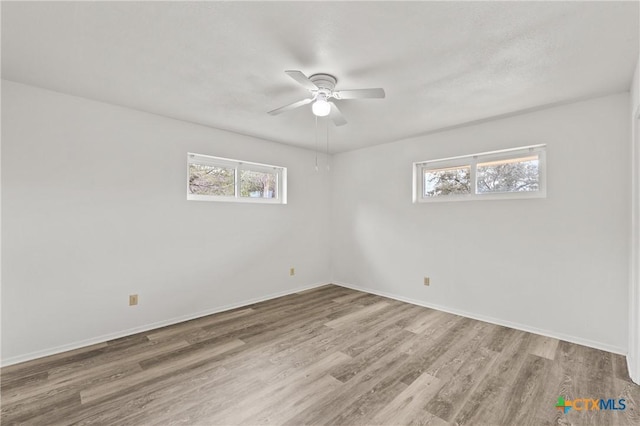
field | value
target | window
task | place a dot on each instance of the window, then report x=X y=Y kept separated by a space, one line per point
x=222 y=179
x=511 y=173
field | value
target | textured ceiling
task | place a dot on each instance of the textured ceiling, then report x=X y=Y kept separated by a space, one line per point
x=221 y=63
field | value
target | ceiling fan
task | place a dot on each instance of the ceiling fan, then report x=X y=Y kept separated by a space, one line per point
x=321 y=88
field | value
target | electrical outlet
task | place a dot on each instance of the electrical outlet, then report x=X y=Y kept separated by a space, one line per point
x=133 y=299
x=292 y=271
x=426 y=280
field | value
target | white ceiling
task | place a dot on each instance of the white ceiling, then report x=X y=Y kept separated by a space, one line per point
x=221 y=63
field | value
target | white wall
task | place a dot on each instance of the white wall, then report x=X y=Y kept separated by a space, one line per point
x=557 y=265
x=634 y=287
x=94 y=208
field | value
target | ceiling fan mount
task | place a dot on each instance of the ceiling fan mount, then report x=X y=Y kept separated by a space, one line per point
x=322 y=89
x=324 y=81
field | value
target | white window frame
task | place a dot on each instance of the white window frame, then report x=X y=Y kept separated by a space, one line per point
x=472 y=161
x=237 y=166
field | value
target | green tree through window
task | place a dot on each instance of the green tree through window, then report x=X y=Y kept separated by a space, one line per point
x=454 y=180
x=513 y=175
x=211 y=180
x=258 y=184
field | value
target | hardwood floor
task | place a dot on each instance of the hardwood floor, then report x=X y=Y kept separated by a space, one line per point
x=325 y=356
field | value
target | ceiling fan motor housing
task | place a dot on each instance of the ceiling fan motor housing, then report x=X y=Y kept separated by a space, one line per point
x=325 y=82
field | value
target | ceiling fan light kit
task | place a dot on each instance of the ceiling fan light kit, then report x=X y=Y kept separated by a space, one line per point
x=321 y=107
x=321 y=86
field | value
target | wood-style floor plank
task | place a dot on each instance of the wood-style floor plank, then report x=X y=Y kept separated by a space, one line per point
x=347 y=320
x=544 y=346
x=408 y=404
x=328 y=355
x=486 y=403
x=452 y=396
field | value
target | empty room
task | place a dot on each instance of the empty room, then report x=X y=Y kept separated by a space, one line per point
x=328 y=213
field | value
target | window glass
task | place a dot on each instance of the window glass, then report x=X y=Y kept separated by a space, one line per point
x=211 y=180
x=447 y=181
x=510 y=175
x=256 y=184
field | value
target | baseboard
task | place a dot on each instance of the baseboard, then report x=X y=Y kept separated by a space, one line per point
x=634 y=371
x=497 y=321
x=123 y=333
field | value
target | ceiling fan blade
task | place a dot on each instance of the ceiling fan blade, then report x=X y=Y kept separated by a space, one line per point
x=302 y=79
x=291 y=106
x=359 y=94
x=336 y=116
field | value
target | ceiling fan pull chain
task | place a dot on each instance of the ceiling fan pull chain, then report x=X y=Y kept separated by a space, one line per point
x=328 y=165
x=316 y=143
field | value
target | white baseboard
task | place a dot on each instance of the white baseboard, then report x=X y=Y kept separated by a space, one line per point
x=123 y=333
x=497 y=321
x=634 y=370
